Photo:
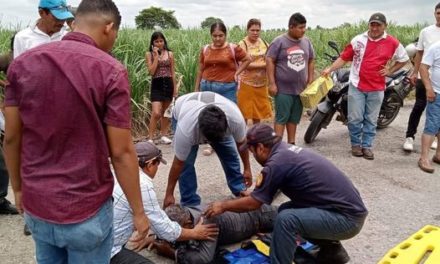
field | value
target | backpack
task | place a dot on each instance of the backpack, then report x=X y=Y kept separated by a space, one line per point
x=246 y=46
x=231 y=48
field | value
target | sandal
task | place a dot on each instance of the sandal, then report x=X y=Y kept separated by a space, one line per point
x=425 y=166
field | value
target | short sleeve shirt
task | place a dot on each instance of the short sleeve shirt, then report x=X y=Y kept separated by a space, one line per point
x=368 y=58
x=309 y=180
x=256 y=77
x=220 y=65
x=186 y=112
x=67 y=92
x=291 y=63
x=432 y=59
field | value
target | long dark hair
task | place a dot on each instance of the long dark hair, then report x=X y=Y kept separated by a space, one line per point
x=157 y=35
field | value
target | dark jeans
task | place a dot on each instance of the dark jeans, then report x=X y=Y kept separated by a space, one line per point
x=417 y=111
x=126 y=256
x=233 y=228
x=312 y=223
x=4 y=178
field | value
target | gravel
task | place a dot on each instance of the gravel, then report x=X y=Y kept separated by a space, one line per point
x=400 y=197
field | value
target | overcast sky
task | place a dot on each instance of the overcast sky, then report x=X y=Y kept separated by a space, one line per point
x=274 y=14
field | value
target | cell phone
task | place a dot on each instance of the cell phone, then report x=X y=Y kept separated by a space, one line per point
x=159 y=51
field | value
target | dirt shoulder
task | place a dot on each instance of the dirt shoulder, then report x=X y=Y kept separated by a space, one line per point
x=400 y=197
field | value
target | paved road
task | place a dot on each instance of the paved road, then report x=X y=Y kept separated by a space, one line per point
x=401 y=198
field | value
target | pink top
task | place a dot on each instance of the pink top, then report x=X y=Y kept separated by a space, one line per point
x=163 y=68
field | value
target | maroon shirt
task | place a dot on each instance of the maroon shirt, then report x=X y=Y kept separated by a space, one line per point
x=67 y=92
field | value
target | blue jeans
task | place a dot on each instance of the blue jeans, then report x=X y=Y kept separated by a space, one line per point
x=363 y=111
x=309 y=223
x=227 y=89
x=227 y=153
x=90 y=241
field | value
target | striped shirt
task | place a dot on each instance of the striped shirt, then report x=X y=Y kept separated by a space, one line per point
x=123 y=227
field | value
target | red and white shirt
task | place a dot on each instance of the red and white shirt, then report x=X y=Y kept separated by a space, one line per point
x=368 y=57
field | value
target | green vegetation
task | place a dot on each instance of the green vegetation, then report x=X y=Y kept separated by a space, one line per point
x=186 y=44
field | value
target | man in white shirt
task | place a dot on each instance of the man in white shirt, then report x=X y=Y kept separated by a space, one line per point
x=49 y=27
x=149 y=159
x=428 y=36
x=207 y=117
x=431 y=62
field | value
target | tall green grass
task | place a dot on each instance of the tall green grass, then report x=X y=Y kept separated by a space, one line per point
x=132 y=45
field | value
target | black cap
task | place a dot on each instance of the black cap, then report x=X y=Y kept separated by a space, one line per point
x=148 y=151
x=378 y=18
x=259 y=133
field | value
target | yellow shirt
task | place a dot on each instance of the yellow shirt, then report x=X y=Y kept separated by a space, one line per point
x=257 y=51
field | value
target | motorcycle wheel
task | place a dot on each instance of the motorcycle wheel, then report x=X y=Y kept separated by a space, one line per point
x=314 y=126
x=389 y=110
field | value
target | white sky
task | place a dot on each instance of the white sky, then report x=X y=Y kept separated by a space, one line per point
x=273 y=13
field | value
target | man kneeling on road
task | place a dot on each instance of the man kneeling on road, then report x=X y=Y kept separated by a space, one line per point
x=324 y=205
x=149 y=159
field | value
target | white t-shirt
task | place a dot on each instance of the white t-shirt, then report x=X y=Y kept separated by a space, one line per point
x=186 y=113
x=432 y=59
x=428 y=36
x=32 y=36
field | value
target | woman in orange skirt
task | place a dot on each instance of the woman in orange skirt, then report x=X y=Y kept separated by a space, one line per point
x=253 y=95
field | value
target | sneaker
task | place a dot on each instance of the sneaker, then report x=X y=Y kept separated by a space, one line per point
x=434 y=144
x=208 y=151
x=356 y=151
x=165 y=140
x=368 y=154
x=7 y=208
x=409 y=144
x=332 y=252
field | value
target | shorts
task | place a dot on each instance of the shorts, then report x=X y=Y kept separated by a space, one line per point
x=288 y=109
x=432 y=122
x=162 y=89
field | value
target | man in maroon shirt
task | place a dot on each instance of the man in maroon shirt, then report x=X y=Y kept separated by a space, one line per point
x=68 y=111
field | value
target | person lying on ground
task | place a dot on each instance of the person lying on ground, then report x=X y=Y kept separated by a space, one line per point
x=233 y=228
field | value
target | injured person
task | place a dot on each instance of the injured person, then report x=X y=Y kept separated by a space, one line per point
x=233 y=228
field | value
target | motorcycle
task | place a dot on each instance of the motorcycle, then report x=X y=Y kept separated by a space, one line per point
x=397 y=88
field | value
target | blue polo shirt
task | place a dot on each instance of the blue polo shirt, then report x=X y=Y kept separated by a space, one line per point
x=309 y=180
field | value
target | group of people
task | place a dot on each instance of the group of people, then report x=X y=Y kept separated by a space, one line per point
x=63 y=176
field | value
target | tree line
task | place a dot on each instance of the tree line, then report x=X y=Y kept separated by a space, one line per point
x=156 y=17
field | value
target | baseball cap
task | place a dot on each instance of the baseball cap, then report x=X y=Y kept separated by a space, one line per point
x=148 y=151
x=378 y=18
x=58 y=8
x=259 y=133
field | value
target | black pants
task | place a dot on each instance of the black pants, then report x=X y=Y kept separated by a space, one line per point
x=126 y=256
x=4 y=178
x=417 y=111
